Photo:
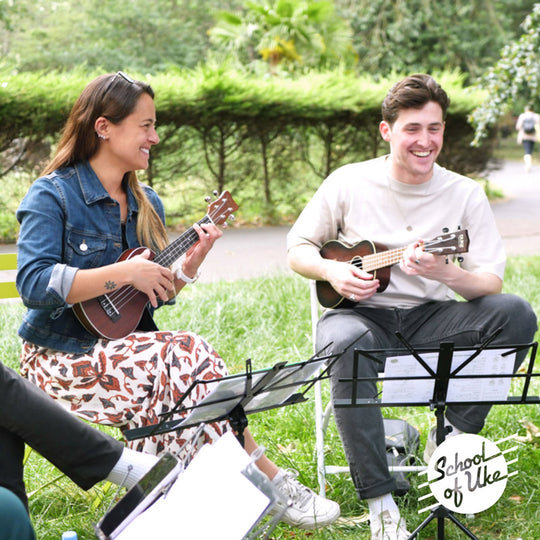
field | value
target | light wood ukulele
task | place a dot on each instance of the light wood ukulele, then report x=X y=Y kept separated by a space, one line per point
x=377 y=259
x=115 y=315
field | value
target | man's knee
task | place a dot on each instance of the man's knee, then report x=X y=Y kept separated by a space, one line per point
x=345 y=330
x=517 y=316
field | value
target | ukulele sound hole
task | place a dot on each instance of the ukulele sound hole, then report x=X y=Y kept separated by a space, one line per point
x=357 y=261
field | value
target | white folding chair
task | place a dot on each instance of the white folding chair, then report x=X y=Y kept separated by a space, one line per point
x=324 y=412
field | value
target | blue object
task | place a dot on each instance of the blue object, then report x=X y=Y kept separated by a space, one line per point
x=69 y=535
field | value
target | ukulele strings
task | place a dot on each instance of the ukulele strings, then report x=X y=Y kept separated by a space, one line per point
x=382 y=259
x=125 y=294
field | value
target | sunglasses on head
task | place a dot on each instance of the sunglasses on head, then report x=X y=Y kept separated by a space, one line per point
x=120 y=74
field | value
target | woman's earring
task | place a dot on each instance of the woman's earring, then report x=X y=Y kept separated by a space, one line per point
x=101 y=136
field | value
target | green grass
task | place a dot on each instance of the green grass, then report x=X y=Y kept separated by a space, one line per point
x=268 y=320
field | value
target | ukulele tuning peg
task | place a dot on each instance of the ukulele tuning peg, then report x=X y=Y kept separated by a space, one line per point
x=231 y=217
x=445 y=230
x=208 y=199
x=460 y=259
x=215 y=192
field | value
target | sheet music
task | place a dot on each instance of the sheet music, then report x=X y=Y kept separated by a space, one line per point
x=226 y=393
x=285 y=384
x=210 y=499
x=488 y=362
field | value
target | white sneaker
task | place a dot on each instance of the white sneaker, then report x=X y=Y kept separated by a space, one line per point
x=431 y=442
x=389 y=526
x=306 y=509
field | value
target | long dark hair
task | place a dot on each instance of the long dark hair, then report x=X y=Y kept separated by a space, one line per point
x=113 y=96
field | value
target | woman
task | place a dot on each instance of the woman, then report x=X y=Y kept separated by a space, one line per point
x=76 y=221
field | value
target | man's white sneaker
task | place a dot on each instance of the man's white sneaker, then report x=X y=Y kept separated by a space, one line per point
x=389 y=526
x=306 y=509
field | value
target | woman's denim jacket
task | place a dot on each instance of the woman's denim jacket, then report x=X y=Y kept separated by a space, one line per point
x=68 y=221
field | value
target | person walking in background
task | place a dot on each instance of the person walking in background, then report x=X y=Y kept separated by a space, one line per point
x=527 y=126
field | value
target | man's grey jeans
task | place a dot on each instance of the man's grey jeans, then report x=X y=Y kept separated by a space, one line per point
x=461 y=323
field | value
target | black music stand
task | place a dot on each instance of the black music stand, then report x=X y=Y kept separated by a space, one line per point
x=444 y=373
x=235 y=396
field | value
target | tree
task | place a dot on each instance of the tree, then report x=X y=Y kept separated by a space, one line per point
x=514 y=79
x=285 y=34
x=431 y=35
x=108 y=35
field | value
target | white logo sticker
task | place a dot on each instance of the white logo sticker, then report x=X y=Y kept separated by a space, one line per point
x=468 y=473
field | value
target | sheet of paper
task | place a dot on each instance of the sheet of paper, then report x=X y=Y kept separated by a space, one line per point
x=488 y=362
x=285 y=384
x=223 y=397
x=226 y=394
x=210 y=499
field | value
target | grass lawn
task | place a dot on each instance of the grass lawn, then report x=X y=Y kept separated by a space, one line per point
x=267 y=320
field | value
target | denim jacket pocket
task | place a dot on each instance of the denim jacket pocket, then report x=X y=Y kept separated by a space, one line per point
x=84 y=249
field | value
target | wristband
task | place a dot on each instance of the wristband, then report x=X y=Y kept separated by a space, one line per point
x=180 y=275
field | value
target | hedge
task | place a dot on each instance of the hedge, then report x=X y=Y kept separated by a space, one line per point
x=223 y=129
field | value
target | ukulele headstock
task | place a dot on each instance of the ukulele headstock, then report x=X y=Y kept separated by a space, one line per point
x=220 y=210
x=449 y=244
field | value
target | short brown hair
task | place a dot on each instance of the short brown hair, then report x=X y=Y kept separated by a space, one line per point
x=413 y=92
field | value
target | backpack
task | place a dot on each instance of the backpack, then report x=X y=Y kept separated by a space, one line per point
x=402 y=441
x=529 y=125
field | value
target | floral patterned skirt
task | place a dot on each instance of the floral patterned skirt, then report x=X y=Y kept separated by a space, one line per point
x=130 y=382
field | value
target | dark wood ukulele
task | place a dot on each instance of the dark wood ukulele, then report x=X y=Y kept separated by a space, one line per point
x=377 y=259
x=115 y=315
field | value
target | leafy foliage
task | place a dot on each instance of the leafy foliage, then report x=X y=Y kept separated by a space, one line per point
x=109 y=35
x=286 y=34
x=427 y=36
x=515 y=78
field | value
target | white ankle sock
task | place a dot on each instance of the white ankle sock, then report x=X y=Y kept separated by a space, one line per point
x=131 y=467
x=378 y=505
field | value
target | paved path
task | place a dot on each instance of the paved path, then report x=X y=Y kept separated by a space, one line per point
x=246 y=253
x=518 y=214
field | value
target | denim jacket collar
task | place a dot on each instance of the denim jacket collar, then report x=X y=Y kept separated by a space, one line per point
x=93 y=191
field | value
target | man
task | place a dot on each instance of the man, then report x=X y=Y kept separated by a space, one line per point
x=399 y=200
